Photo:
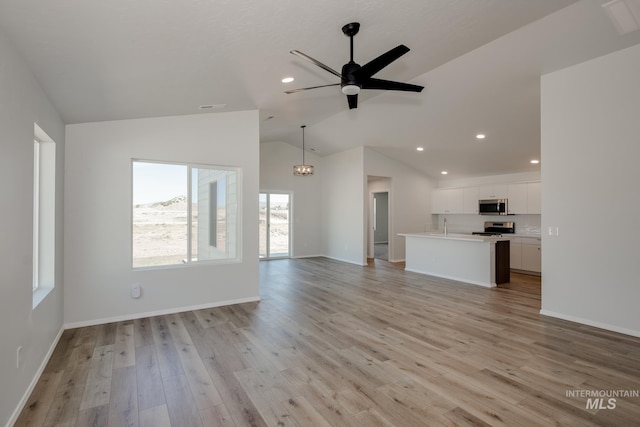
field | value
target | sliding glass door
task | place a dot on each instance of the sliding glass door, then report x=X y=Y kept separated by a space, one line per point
x=275 y=225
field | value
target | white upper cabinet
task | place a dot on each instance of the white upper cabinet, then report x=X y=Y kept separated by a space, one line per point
x=517 y=198
x=496 y=191
x=470 y=200
x=523 y=198
x=534 y=204
x=447 y=201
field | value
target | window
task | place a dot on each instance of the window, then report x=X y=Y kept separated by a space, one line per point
x=44 y=204
x=184 y=213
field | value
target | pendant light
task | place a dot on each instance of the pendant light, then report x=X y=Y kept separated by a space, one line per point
x=303 y=170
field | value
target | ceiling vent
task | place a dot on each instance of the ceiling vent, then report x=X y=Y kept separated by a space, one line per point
x=625 y=14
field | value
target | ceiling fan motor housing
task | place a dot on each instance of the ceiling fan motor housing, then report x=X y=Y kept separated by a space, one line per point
x=349 y=81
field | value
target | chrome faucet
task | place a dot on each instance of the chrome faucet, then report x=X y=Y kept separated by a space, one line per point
x=445 y=226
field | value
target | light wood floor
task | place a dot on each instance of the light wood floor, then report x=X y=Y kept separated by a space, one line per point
x=334 y=344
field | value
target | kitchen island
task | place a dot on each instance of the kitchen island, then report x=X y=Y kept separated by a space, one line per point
x=480 y=260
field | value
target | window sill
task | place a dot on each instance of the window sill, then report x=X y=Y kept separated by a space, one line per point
x=39 y=295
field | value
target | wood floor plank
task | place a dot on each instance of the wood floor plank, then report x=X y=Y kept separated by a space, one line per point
x=217 y=416
x=181 y=406
x=40 y=400
x=96 y=416
x=125 y=353
x=65 y=406
x=157 y=416
x=148 y=378
x=143 y=334
x=336 y=344
x=204 y=391
x=98 y=387
x=123 y=404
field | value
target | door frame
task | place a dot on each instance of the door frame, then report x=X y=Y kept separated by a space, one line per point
x=290 y=223
x=385 y=187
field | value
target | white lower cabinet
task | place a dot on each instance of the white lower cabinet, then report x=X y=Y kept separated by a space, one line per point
x=526 y=254
x=515 y=253
x=531 y=254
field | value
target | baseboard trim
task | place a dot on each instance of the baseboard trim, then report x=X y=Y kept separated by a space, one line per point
x=174 y=310
x=344 y=260
x=307 y=256
x=34 y=381
x=457 y=279
x=593 y=323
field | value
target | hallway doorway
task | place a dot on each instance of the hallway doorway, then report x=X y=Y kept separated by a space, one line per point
x=381 y=225
x=379 y=242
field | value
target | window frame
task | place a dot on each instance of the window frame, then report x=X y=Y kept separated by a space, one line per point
x=44 y=215
x=189 y=263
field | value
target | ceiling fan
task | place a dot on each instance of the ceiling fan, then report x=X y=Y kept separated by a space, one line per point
x=355 y=77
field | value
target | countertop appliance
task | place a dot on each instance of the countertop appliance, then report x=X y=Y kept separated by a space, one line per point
x=493 y=207
x=492 y=228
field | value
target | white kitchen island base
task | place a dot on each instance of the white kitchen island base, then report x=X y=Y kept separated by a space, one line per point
x=461 y=257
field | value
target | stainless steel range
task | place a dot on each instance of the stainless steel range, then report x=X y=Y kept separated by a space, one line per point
x=492 y=228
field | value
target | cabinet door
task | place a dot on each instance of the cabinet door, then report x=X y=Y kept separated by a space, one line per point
x=500 y=191
x=470 y=202
x=446 y=201
x=455 y=200
x=531 y=254
x=496 y=191
x=515 y=255
x=486 y=192
x=534 y=205
x=517 y=198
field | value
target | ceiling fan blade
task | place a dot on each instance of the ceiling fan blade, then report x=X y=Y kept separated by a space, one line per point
x=307 y=88
x=316 y=62
x=375 y=65
x=390 y=85
x=353 y=101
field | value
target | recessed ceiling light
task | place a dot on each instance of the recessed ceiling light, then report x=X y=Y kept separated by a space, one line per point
x=420 y=149
x=444 y=172
x=535 y=161
x=480 y=136
x=288 y=80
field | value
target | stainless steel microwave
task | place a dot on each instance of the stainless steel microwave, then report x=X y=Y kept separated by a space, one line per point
x=493 y=207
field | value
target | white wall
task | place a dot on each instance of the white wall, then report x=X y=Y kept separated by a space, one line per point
x=590 y=151
x=23 y=102
x=409 y=198
x=98 y=215
x=343 y=200
x=276 y=174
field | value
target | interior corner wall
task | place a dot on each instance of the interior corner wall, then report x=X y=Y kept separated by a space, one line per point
x=590 y=174
x=343 y=199
x=98 y=186
x=409 y=198
x=276 y=175
x=23 y=103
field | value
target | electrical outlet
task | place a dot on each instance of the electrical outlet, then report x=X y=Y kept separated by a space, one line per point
x=135 y=290
x=18 y=356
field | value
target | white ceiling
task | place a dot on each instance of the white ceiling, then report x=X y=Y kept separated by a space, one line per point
x=479 y=60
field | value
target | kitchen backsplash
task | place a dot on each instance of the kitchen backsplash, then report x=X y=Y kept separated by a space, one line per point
x=525 y=224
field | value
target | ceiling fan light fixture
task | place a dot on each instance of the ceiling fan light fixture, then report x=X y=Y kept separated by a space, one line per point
x=351 y=89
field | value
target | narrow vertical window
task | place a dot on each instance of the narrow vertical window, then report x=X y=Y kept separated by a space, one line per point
x=44 y=192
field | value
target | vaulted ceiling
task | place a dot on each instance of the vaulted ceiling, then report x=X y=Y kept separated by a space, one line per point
x=479 y=60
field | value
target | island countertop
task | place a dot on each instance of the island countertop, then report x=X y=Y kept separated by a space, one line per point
x=467 y=258
x=455 y=236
